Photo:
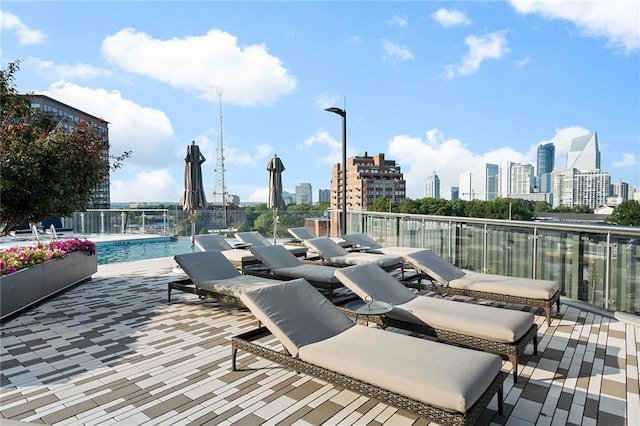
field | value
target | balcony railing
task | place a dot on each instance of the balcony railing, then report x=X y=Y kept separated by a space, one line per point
x=599 y=265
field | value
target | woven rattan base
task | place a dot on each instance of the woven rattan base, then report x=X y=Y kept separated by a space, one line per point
x=188 y=286
x=245 y=342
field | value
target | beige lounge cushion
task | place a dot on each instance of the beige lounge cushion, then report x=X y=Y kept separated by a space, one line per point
x=275 y=256
x=237 y=285
x=206 y=265
x=372 y=281
x=256 y=239
x=296 y=313
x=315 y=273
x=362 y=240
x=511 y=286
x=207 y=242
x=396 y=251
x=485 y=322
x=239 y=256
x=441 y=375
x=499 y=325
x=333 y=253
x=382 y=260
x=435 y=266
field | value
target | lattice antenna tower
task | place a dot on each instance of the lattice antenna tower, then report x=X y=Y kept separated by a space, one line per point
x=220 y=190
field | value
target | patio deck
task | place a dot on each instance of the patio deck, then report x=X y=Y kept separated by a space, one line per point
x=112 y=350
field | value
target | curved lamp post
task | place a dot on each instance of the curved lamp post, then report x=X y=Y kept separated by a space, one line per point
x=343 y=113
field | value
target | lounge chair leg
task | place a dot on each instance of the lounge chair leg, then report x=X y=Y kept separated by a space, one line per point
x=169 y=293
x=234 y=351
x=500 y=400
x=514 y=361
x=547 y=310
x=535 y=344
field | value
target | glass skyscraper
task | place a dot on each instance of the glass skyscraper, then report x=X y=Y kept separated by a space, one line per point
x=544 y=167
x=584 y=153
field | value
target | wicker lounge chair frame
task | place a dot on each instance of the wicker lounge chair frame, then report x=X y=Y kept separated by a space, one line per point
x=512 y=350
x=213 y=242
x=188 y=285
x=246 y=340
x=443 y=288
x=266 y=270
x=312 y=243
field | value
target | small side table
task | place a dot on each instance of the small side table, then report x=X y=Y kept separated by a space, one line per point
x=368 y=310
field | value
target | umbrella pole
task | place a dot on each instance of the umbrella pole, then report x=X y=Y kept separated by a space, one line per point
x=275 y=225
x=193 y=230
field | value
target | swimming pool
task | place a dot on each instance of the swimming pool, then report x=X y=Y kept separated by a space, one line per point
x=131 y=250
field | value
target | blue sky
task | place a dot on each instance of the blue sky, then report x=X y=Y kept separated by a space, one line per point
x=436 y=86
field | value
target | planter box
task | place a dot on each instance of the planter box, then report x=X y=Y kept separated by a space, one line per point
x=28 y=287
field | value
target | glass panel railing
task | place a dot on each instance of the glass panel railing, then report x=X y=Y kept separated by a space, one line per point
x=596 y=264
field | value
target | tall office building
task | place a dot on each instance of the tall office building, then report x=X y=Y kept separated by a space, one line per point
x=69 y=117
x=620 y=190
x=368 y=177
x=544 y=166
x=304 y=194
x=480 y=183
x=432 y=186
x=573 y=187
x=324 y=195
x=584 y=153
x=522 y=179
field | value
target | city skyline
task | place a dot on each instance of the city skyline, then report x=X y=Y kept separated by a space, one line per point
x=434 y=86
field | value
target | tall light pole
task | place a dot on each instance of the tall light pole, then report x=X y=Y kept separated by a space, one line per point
x=343 y=113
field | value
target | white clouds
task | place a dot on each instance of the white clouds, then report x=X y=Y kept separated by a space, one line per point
x=618 y=21
x=398 y=21
x=325 y=100
x=322 y=137
x=65 y=71
x=396 y=51
x=628 y=160
x=522 y=62
x=450 y=18
x=248 y=75
x=156 y=185
x=26 y=36
x=147 y=132
x=489 y=46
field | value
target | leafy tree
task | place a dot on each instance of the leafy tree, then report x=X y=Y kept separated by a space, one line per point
x=380 y=204
x=582 y=209
x=46 y=170
x=541 y=206
x=626 y=213
x=409 y=206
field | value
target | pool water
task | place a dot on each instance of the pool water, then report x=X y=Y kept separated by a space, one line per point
x=140 y=250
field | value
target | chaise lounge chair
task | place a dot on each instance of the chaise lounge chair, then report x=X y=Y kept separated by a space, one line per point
x=212 y=275
x=443 y=383
x=238 y=255
x=285 y=266
x=503 y=331
x=303 y=233
x=334 y=255
x=447 y=278
x=370 y=245
x=256 y=239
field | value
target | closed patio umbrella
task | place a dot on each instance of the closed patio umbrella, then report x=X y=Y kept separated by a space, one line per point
x=275 y=168
x=193 y=198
